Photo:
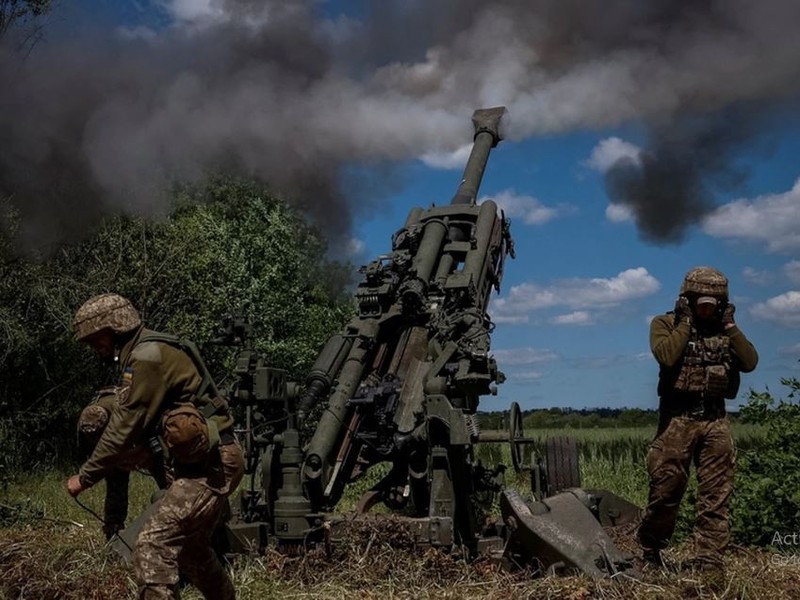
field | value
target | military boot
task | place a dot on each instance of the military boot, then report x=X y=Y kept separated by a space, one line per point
x=652 y=558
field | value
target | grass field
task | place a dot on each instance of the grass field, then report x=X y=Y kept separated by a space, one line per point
x=610 y=458
x=50 y=547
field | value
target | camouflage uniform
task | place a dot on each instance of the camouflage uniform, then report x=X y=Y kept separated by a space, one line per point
x=178 y=535
x=156 y=376
x=700 y=361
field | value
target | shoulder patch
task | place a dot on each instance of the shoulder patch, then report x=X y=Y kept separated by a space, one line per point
x=148 y=351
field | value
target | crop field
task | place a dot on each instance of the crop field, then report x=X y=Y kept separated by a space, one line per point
x=52 y=548
x=610 y=458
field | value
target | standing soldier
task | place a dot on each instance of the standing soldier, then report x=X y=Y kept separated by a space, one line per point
x=701 y=353
x=167 y=400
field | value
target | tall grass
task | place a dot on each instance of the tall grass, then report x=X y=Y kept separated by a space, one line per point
x=42 y=496
x=51 y=548
x=611 y=459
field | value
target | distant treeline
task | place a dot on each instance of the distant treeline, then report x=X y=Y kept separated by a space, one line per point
x=587 y=418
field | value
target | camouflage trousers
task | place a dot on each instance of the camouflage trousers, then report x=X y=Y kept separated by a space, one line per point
x=178 y=535
x=681 y=441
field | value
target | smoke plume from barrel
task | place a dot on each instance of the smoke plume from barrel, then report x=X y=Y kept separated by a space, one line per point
x=282 y=91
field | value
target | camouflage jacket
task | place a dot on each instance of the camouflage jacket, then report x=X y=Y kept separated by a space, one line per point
x=154 y=376
x=680 y=347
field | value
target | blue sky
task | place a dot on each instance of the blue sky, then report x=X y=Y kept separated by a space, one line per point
x=388 y=93
x=587 y=345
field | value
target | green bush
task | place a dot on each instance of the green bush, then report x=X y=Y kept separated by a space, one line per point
x=225 y=244
x=767 y=494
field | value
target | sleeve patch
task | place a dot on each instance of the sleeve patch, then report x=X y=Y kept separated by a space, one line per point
x=127 y=376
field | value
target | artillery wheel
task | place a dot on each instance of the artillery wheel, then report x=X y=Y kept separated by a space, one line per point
x=561 y=460
x=515 y=434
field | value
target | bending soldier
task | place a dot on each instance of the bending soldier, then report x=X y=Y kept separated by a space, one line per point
x=168 y=399
x=701 y=353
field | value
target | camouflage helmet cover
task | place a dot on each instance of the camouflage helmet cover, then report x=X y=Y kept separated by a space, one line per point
x=96 y=415
x=106 y=311
x=92 y=421
x=705 y=281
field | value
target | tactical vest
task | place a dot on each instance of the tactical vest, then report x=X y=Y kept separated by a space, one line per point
x=706 y=367
x=190 y=349
x=206 y=399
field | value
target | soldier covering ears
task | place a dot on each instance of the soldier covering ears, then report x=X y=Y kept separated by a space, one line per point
x=701 y=353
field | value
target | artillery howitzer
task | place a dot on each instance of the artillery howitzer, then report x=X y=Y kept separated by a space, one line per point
x=400 y=384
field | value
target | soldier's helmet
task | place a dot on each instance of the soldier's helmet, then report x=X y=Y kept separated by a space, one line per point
x=96 y=415
x=92 y=422
x=106 y=311
x=705 y=281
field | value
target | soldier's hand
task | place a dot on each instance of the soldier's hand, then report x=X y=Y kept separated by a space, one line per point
x=74 y=486
x=683 y=309
x=727 y=316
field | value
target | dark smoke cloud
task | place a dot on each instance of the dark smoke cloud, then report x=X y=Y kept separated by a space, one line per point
x=100 y=127
x=271 y=89
x=675 y=181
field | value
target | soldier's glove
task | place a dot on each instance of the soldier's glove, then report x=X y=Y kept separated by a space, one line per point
x=727 y=316
x=683 y=310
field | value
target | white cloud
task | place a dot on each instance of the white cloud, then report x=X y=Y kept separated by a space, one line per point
x=195 y=11
x=792 y=271
x=783 y=310
x=618 y=213
x=197 y=15
x=511 y=319
x=579 y=317
x=526 y=376
x=354 y=247
x=524 y=356
x=609 y=151
x=793 y=350
x=528 y=208
x=772 y=219
x=576 y=293
x=457 y=159
x=757 y=277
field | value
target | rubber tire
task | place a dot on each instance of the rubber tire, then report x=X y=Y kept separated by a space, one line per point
x=515 y=432
x=561 y=461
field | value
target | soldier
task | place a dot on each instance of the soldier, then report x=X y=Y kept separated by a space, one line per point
x=167 y=399
x=701 y=353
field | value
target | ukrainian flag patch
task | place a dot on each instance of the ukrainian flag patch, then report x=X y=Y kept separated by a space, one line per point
x=127 y=376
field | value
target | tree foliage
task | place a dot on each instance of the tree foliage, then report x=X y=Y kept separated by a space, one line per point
x=224 y=246
x=22 y=18
x=15 y=11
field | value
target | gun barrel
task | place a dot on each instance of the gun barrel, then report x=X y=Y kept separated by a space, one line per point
x=488 y=134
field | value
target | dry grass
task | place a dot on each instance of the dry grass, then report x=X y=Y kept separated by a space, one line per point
x=376 y=560
x=52 y=549
x=54 y=562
